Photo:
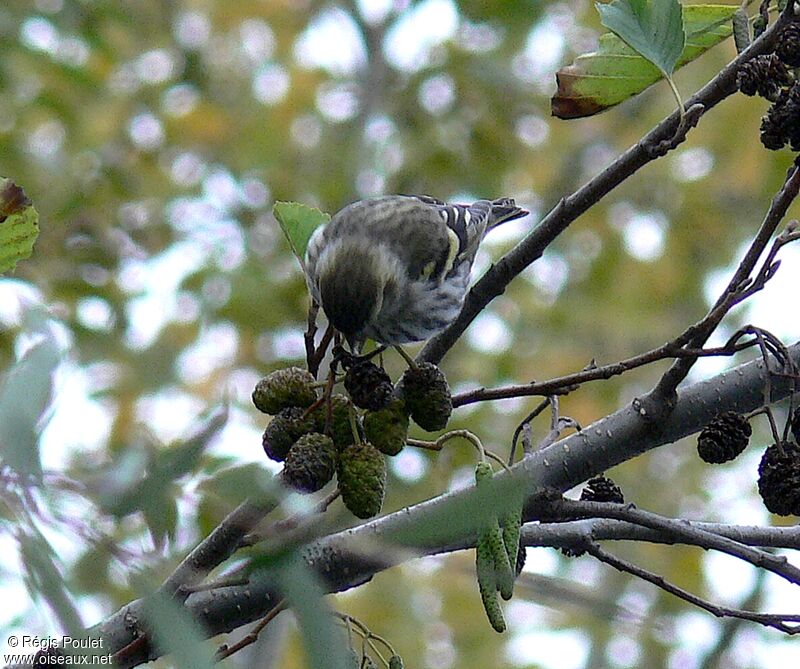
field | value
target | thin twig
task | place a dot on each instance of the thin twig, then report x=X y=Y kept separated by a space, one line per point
x=494 y=282
x=736 y=290
x=573 y=509
x=228 y=581
x=216 y=547
x=447 y=436
x=291 y=523
x=559 y=384
x=252 y=636
x=777 y=621
x=521 y=427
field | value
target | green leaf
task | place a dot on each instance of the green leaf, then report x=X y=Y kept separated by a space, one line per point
x=177 y=634
x=235 y=484
x=599 y=80
x=180 y=459
x=298 y=222
x=139 y=481
x=45 y=580
x=19 y=225
x=160 y=512
x=653 y=28
x=325 y=644
x=25 y=394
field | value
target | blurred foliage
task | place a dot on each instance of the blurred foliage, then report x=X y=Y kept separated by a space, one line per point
x=155 y=137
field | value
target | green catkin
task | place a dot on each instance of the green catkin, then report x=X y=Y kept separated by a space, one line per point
x=511 y=524
x=487 y=583
x=493 y=536
x=504 y=575
x=741 y=30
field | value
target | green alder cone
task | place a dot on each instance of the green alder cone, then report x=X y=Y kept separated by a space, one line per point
x=310 y=463
x=285 y=429
x=387 y=429
x=290 y=387
x=396 y=662
x=341 y=429
x=487 y=583
x=427 y=396
x=483 y=473
x=362 y=479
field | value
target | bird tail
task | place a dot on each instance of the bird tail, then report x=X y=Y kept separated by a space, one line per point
x=505 y=209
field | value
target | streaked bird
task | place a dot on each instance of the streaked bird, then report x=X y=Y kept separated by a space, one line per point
x=396 y=268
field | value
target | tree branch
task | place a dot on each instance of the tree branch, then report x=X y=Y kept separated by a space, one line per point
x=739 y=288
x=682 y=532
x=350 y=558
x=494 y=282
x=779 y=622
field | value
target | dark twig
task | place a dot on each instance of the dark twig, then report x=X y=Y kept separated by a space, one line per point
x=526 y=422
x=215 y=548
x=494 y=282
x=573 y=509
x=569 y=382
x=308 y=338
x=777 y=621
x=574 y=533
x=689 y=120
x=252 y=636
x=291 y=523
x=740 y=287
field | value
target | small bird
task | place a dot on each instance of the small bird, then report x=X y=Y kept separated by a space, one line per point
x=395 y=269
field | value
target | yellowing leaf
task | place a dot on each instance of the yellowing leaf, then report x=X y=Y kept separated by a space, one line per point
x=19 y=225
x=599 y=80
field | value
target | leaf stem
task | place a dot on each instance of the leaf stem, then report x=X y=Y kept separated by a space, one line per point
x=676 y=94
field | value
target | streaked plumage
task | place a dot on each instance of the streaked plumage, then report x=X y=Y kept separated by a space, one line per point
x=396 y=268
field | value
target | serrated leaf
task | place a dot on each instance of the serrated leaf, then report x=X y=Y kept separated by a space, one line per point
x=615 y=72
x=19 y=225
x=653 y=28
x=298 y=222
x=25 y=394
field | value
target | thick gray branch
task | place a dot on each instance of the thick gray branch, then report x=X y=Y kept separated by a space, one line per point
x=350 y=558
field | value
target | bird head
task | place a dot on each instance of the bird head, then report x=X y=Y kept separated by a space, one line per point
x=354 y=278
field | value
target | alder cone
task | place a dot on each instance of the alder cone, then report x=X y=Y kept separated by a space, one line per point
x=361 y=474
x=290 y=387
x=779 y=479
x=310 y=463
x=724 y=438
x=602 y=489
x=426 y=393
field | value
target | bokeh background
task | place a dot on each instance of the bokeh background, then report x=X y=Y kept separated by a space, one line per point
x=154 y=138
